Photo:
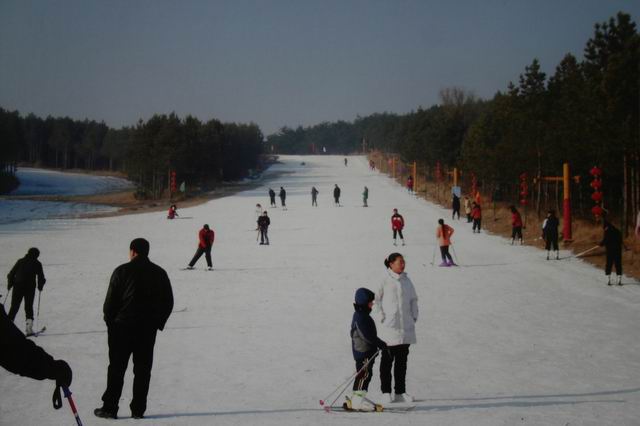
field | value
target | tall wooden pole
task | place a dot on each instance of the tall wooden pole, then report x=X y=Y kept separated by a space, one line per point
x=566 y=203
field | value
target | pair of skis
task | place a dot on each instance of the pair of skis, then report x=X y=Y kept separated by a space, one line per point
x=377 y=408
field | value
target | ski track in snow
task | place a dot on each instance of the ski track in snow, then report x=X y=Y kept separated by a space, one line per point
x=508 y=338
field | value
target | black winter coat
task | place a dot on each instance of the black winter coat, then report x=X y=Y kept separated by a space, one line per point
x=550 y=230
x=612 y=240
x=139 y=295
x=336 y=192
x=264 y=222
x=24 y=273
x=20 y=355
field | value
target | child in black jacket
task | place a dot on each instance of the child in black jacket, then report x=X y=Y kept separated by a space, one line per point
x=364 y=344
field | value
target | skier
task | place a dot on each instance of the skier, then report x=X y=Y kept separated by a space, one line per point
x=272 y=196
x=476 y=215
x=455 y=206
x=345 y=161
x=283 y=198
x=364 y=341
x=336 y=195
x=22 y=278
x=20 y=355
x=206 y=237
x=443 y=234
x=397 y=225
x=138 y=304
x=263 y=226
x=550 y=233
x=365 y=197
x=314 y=196
x=410 y=184
x=173 y=212
x=516 y=225
x=612 y=242
x=467 y=208
x=397 y=302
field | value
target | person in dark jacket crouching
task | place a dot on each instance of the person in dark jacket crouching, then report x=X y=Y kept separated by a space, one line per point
x=364 y=344
x=138 y=303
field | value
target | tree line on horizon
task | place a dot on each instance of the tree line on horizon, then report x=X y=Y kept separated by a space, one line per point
x=200 y=153
x=585 y=113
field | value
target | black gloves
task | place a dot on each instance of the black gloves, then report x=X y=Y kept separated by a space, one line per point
x=62 y=373
x=382 y=345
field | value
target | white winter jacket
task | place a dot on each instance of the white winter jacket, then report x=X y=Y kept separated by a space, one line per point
x=397 y=303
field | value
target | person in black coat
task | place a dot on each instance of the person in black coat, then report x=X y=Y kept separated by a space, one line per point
x=20 y=355
x=272 y=196
x=364 y=344
x=283 y=198
x=138 y=304
x=550 y=233
x=22 y=279
x=263 y=226
x=455 y=206
x=336 y=195
x=612 y=243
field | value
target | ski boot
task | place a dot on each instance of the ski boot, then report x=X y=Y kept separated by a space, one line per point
x=29 y=327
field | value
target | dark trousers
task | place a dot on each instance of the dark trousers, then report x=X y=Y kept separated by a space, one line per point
x=264 y=237
x=273 y=201
x=614 y=257
x=364 y=377
x=283 y=202
x=336 y=200
x=516 y=232
x=468 y=217
x=395 y=356
x=26 y=292
x=456 y=211
x=444 y=252
x=125 y=341
x=314 y=201
x=207 y=254
x=551 y=243
x=477 y=223
x=397 y=232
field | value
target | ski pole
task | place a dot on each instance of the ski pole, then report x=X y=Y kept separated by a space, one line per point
x=67 y=394
x=586 y=251
x=433 y=258
x=347 y=382
x=454 y=254
x=38 y=311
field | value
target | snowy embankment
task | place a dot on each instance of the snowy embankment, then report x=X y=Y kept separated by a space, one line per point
x=40 y=182
x=507 y=338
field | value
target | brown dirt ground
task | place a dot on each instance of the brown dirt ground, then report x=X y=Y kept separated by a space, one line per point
x=586 y=233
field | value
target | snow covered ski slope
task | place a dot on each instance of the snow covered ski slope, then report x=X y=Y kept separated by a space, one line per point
x=507 y=338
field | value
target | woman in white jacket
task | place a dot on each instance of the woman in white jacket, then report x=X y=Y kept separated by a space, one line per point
x=397 y=303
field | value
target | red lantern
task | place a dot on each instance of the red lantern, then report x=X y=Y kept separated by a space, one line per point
x=524 y=189
x=597 y=195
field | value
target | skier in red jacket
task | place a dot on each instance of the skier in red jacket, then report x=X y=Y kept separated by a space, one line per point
x=173 y=212
x=397 y=224
x=476 y=215
x=516 y=225
x=205 y=242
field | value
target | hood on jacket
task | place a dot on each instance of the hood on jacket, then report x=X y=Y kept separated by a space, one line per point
x=362 y=299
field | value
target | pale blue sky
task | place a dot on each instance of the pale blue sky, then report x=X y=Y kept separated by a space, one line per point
x=281 y=62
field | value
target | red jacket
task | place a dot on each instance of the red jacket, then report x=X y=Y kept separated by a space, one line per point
x=397 y=222
x=206 y=238
x=476 y=213
x=171 y=214
x=516 y=220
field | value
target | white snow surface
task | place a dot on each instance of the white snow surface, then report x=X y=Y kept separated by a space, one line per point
x=508 y=338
